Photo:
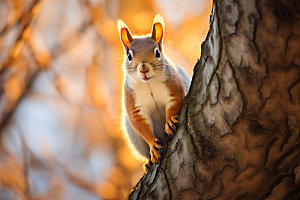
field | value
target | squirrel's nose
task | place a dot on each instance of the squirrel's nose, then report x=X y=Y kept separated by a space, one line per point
x=144 y=71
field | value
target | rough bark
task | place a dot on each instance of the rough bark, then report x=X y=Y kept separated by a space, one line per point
x=239 y=136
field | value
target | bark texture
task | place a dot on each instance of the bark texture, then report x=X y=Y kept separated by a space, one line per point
x=239 y=136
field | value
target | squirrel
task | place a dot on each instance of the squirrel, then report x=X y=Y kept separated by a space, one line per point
x=153 y=91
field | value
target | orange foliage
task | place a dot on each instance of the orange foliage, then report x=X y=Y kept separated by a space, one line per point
x=65 y=59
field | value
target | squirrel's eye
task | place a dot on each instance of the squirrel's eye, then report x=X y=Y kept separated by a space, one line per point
x=157 y=53
x=129 y=57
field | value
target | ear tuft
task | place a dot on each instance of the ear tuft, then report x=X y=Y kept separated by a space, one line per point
x=120 y=25
x=159 y=19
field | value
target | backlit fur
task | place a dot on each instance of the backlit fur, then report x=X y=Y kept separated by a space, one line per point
x=153 y=90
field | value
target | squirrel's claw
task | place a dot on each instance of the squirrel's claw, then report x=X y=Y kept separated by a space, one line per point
x=154 y=155
x=157 y=144
x=147 y=165
x=171 y=125
x=154 y=148
x=174 y=119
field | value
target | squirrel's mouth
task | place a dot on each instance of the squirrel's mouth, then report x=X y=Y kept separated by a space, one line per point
x=146 y=78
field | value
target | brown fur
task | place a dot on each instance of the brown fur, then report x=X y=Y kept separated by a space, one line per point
x=142 y=66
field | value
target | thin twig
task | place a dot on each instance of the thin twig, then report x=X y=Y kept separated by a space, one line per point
x=26 y=166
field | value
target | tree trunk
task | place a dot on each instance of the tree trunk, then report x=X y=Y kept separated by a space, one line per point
x=239 y=134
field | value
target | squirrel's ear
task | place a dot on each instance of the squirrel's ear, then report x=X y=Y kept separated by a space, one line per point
x=158 y=30
x=125 y=34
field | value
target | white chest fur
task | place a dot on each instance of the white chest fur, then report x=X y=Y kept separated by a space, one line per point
x=152 y=98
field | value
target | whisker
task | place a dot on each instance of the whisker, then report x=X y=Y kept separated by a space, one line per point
x=126 y=64
x=160 y=64
x=130 y=67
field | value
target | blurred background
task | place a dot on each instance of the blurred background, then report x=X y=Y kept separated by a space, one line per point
x=60 y=92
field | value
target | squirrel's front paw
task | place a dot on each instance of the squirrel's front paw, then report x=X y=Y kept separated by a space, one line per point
x=147 y=165
x=154 y=148
x=171 y=125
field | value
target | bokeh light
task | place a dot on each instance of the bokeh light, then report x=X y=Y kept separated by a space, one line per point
x=60 y=91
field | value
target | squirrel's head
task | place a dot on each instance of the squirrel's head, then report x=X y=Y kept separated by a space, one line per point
x=144 y=54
